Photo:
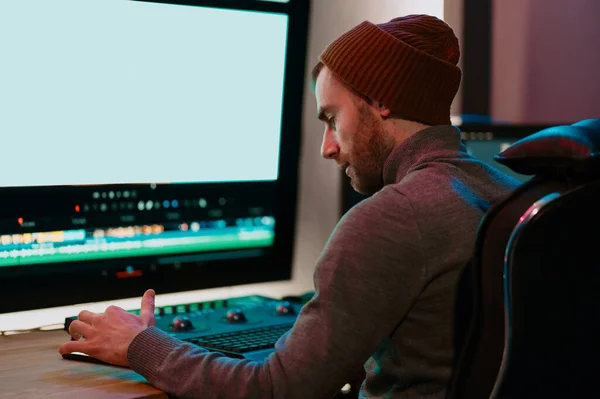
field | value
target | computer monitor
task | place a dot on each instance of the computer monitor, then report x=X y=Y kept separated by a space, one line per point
x=147 y=144
x=484 y=141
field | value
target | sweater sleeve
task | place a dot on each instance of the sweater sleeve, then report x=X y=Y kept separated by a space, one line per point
x=366 y=280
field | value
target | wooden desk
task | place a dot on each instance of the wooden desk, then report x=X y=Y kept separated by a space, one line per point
x=31 y=367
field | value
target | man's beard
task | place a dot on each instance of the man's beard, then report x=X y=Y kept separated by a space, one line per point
x=370 y=151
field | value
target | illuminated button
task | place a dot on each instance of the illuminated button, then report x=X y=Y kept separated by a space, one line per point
x=202 y=202
x=153 y=186
x=104 y=195
x=166 y=204
x=141 y=206
x=118 y=194
x=157 y=204
x=195 y=226
x=268 y=220
x=222 y=201
x=174 y=203
x=125 y=194
x=149 y=205
x=96 y=195
x=111 y=194
x=103 y=207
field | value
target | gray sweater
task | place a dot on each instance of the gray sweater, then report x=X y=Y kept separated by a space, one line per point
x=385 y=287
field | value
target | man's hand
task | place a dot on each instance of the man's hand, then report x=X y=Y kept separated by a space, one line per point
x=107 y=336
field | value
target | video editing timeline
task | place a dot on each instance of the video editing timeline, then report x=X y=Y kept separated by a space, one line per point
x=135 y=241
x=245 y=327
x=137 y=222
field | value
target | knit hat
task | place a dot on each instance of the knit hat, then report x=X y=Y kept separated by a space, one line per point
x=407 y=64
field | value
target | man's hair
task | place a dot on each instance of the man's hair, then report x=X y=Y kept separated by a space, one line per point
x=315 y=72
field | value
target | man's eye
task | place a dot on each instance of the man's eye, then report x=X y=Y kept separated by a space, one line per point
x=331 y=122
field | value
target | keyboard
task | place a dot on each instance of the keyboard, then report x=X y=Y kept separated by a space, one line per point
x=238 y=343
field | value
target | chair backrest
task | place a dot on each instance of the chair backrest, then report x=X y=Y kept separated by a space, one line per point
x=482 y=352
x=563 y=160
x=552 y=299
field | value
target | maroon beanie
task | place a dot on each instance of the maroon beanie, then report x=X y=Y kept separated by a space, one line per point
x=408 y=64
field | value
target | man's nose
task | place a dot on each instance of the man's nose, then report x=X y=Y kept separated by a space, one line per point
x=329 y=148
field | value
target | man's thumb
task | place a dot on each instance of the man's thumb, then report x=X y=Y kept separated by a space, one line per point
x=147 y=309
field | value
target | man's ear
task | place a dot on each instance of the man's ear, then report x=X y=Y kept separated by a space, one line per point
x=384 y=111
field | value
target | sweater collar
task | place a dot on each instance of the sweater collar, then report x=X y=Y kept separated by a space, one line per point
x=423 y=144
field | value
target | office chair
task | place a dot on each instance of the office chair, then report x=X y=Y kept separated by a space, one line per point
x=535 y=321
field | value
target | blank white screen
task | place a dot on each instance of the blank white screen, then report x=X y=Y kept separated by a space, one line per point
x=117 y=91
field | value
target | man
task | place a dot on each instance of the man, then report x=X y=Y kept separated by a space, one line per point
x=386 y=282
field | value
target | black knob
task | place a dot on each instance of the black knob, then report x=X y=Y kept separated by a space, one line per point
x=285 y=308
x=236 y=316
x=181 y=323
